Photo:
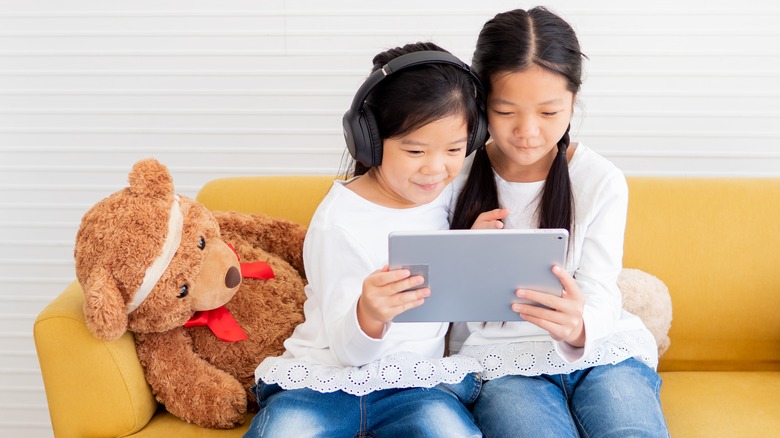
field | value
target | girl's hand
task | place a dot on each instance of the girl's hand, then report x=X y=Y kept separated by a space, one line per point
x=490 y=220
x=563 y=319
x=383 y=298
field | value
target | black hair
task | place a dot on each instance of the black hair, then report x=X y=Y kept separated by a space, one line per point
x=412 y=98
x=512 y=42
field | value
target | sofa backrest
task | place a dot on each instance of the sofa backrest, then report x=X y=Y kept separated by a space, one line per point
x=289 y=197
x=713 y=241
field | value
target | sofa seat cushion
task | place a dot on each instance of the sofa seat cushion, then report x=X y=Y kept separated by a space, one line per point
x=164 y=424
x=721 y=403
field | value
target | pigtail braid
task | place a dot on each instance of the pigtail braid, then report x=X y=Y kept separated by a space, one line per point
x=556 y=209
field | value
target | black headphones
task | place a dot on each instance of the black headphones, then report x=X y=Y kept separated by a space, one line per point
x=360 y=130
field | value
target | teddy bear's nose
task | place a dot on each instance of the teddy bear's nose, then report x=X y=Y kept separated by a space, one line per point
x=233 y=277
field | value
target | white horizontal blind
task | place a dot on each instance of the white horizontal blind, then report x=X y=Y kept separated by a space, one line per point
x=245 y=87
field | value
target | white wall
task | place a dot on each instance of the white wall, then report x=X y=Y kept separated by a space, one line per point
x=246 y=87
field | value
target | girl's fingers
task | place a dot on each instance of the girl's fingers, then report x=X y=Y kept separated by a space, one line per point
x=541 y=323
x=493 y=215
x=389 y=298
x=543 y=298
x=568 y=282
x=406 y=284
x=491 y=219
x=569 y=300
x=563 y=316
x=384 y=278
x=406 y=300
x=553 y=316
x=392 y=305
x=559 y=325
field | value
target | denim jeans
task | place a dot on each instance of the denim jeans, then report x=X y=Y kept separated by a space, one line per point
x=440 y=411
x=619 y=400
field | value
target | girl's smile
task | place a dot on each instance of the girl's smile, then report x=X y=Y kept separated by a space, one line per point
x=416 y=167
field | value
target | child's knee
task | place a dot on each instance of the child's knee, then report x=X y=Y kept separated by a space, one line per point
x=446 y=413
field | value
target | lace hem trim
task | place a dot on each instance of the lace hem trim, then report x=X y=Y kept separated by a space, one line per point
x=400 y=370
x=540 y=357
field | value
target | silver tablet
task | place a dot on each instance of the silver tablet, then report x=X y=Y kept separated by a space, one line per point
x=473 y=274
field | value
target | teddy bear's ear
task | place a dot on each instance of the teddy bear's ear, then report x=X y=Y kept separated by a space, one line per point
x=104 y=308
x=151 y=178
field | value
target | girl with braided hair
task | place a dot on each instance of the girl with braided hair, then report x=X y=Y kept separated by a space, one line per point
x=578 y=365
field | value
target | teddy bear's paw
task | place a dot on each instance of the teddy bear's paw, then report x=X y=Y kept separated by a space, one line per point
x=227 y=406
x=220 y=405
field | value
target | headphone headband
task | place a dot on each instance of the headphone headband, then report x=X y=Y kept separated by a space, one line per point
x=406 y=61
x=360 y=131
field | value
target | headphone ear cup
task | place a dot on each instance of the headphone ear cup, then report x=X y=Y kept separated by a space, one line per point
x=373 y=147
x=480 y=134
x=357 y=135
x=362 y=136
x=353 y=134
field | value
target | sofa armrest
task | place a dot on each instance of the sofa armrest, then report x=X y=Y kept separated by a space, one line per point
x=93 y=387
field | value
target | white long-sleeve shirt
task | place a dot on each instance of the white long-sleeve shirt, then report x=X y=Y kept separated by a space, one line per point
x=594 y=259
x=346 y=241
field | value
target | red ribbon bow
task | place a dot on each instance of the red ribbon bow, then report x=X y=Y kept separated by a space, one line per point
x=219 y=320
x=261 y=270
x=221 y=323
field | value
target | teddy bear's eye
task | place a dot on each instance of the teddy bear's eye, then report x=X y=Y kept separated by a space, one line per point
x=202 y=243
x=183 y=291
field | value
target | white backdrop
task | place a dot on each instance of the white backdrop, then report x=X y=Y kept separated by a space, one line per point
x=216 y=88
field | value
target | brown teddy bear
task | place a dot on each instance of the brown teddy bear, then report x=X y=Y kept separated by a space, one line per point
x=152 y=262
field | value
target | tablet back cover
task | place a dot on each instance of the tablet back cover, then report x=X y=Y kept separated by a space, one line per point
x=473 y=274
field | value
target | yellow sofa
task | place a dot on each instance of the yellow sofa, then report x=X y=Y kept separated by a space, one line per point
x=714 y=242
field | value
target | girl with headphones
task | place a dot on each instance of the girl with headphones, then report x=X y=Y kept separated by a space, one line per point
x=347 y=370
x=580 y=365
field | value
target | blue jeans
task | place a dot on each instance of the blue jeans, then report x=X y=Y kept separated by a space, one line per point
x=619 y=400
x=440 y=411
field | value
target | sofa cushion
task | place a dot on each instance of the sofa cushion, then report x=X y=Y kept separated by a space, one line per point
x=721 y=403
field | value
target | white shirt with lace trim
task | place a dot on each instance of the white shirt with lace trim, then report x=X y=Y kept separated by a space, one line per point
x=346 y=241
x=594 y=259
